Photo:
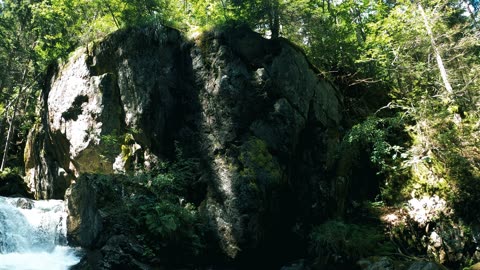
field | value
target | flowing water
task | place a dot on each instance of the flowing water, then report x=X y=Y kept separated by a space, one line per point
x=33 y=235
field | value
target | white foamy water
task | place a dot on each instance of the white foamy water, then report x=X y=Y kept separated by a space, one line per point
x=33 y=235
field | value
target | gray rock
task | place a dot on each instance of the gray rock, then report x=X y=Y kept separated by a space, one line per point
x=376 y=263
x=252 y=109
x=426 y=266
x=297 y=265
x=266 y=98
x=126 y=86
x=119 y=252
x=84 y=222
x=25 y=203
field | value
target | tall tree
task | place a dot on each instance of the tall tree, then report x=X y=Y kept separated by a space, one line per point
x=438 y=57
x=18 y=49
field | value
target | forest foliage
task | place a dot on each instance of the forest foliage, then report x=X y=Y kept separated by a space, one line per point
x=408 y=71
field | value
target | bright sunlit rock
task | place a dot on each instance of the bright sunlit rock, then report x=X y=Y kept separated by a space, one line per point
x=427 y=208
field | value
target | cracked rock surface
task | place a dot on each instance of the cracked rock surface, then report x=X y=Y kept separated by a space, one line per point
x=254 y=110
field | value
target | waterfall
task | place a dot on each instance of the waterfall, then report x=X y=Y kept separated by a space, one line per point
x=33 y=235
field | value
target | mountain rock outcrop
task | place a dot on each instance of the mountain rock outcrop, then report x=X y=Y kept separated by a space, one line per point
x=263 y=122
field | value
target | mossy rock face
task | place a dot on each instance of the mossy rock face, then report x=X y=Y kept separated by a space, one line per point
x=253 y=110
x=258 y=164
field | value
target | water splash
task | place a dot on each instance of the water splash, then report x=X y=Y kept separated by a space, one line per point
x=33 y=235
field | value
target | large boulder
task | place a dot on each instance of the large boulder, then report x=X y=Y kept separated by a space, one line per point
x=255 y=111
x=108 y=109
x=266 y=119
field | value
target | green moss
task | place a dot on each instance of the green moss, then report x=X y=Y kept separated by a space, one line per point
x=126 y=147
x=113 y=143
x=126 y=152
x=258 y=163
x=129 y=139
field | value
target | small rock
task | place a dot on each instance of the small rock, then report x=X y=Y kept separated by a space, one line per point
x=435 y=239
x=297 y=265
x=375 y=263
x=426 y=266
x=25 y=203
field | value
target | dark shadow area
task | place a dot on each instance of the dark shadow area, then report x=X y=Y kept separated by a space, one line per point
x=75 y=109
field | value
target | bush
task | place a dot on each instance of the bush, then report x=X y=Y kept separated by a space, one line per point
x=170 y=225
x=337 y=242
x=167 y=224
x=386 y=143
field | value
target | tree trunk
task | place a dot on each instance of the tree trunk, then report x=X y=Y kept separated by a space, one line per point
x=472 y=14
x=224 y=8
x=441 y=67
x=12 y=120
x=4 y=82
x=9 y=134
x=115 y=21
x=274 y=18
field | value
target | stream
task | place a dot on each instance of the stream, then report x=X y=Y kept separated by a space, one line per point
x=33 y=235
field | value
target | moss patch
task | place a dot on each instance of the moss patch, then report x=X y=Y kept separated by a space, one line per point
x=258 y=164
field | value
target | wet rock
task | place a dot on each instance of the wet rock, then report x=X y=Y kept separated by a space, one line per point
x=120 y=252
x=24 y=203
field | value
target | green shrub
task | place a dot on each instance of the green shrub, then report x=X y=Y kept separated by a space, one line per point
x=167 y=223
x=386 y=142
x=337 y=242
x=110 y=143
x=380 y=137
x=171 y=225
